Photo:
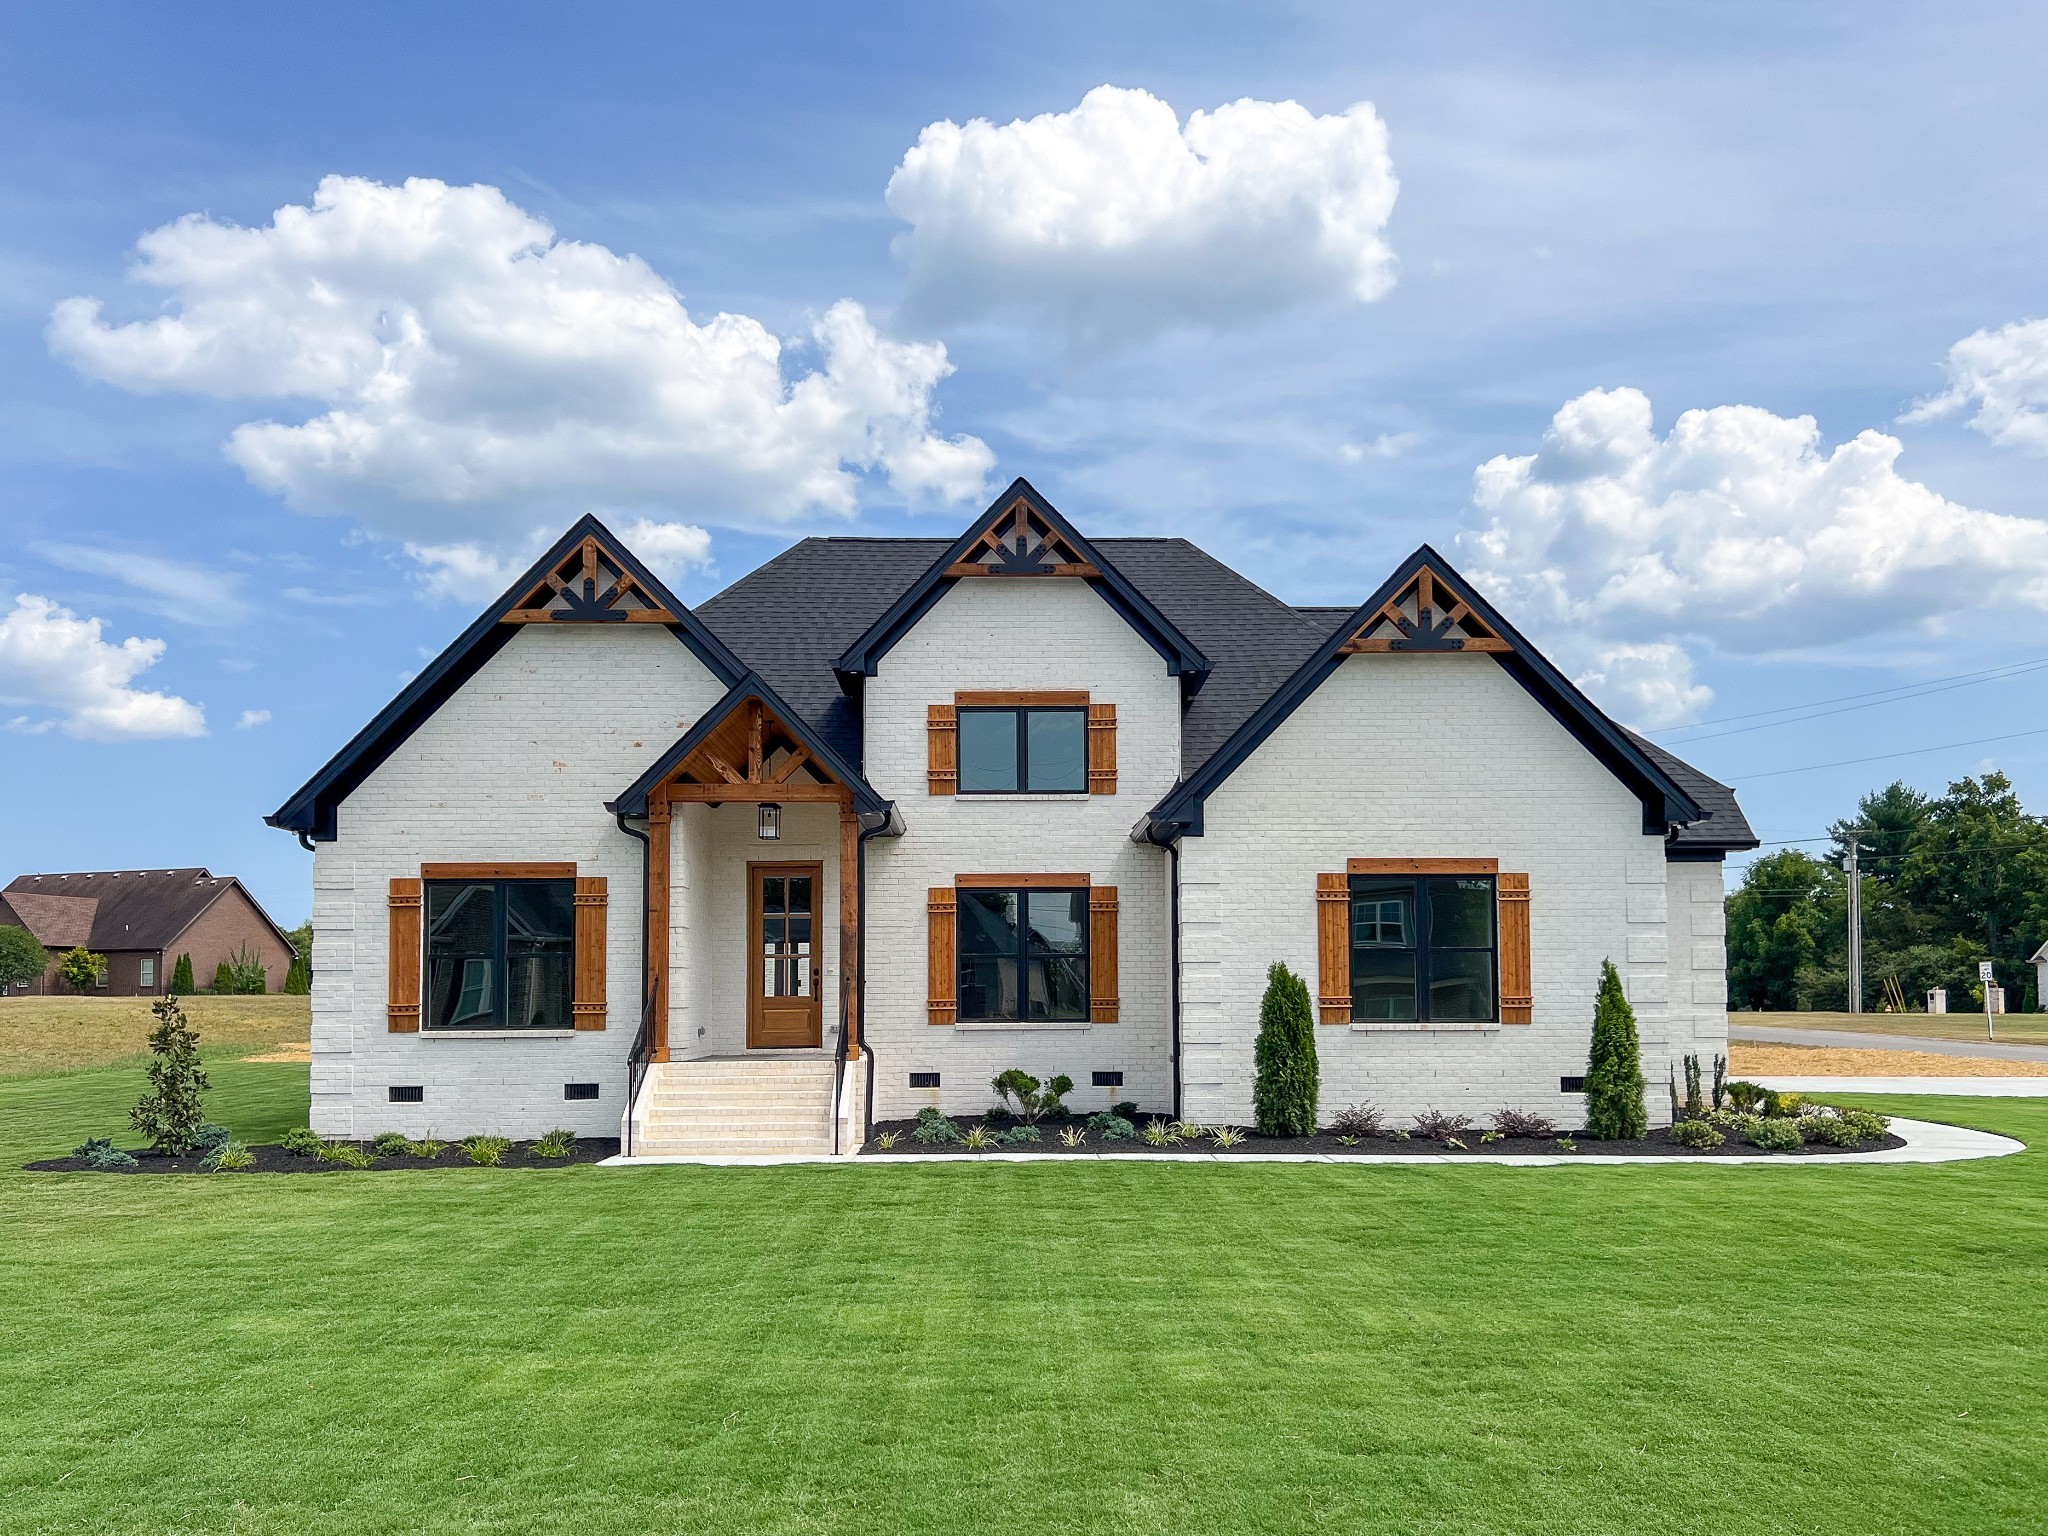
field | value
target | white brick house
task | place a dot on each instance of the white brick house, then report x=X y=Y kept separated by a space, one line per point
x=888 y=816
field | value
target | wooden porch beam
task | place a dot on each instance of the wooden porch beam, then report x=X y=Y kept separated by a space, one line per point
x=713 y=794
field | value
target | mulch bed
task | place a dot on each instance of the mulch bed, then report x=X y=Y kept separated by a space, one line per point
x=272 y=1159
x=1657 y=1144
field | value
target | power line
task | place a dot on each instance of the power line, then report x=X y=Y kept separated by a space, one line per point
x=1848 y=698
x=1850 y=762
x=1875 y=703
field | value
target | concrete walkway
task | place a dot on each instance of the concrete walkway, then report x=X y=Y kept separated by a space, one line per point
x=1965 y=1087
x=1926 y=1142
x=1847 y=1040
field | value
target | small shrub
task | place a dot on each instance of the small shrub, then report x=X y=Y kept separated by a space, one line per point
x=228 y=1157
x=1347 y=1141
x=1126 y=1109
x=1188 y=1130
x=1521 y=1124
x=1868 y=1124
x=486 y=1151
x=1157 y=1133
x=1793 y=1105
x=1395 y=1134
x=556 y=1145
x=1696 y=1133
x=428 y=1148
x=1720 y=1082
x=934 y=1129
x=1288 y=1080
x=1828 y=1130
x=1023 y=1097
x=209 y=1136
x=1356 y=1120
x=885 y=1141
x=1073 y=1136
x=1452 y=1141
x=81 y=969
x=93 y=1146
x=1746 y=1095
x=391 y=1144
x=977 y=1138
x=1226 y=1137
x=182 y=984
x=345 y=1154
x=1614 y=1066
x=1016 y=1135
x=1695 y=1102
x=1773 y=1105
x=1488 y=1137
x=1435 y=1125
x=300 y=1142
x=1566 y=1144
x=1776 y=1136
x=171 y=1114
x=110 y=1158
x=1112 y=1127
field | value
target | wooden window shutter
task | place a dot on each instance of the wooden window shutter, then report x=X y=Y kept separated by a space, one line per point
x=1333 y=948
x=1102 y=1003
x=592 y=904
x=942 y=749
x=1517 y=991
x=1101 y=749
x=403 y=961
x=943 y=1005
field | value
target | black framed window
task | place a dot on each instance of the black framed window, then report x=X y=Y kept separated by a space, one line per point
x=500 y=954
x=1023 y=954
x=1424 y=948
x=1040 y=750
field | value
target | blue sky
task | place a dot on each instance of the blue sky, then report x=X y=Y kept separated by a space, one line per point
x=1797 y=210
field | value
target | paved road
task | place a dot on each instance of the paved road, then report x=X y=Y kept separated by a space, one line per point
x=1843 y=1039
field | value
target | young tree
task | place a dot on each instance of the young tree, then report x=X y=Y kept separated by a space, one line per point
x=22 y=957
x=299 y=979
x=182 y=984
x=81 y=968
x=223 y=980
x=171 y=1113
x=1289 y=1082
x=1614 y=1068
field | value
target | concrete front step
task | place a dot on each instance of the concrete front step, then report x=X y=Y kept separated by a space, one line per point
x=731 y=1146
x=751 y=1106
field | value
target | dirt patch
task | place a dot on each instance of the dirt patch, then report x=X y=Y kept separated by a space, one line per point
x=294 y=1053
x=1827 y=1061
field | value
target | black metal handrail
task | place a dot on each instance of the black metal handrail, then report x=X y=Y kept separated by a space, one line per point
x=638 y=1060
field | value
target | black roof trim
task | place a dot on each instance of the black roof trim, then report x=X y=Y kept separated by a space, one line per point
x=1665 y=803
x=752 y=686
x=312 y=809
x=1183 y=660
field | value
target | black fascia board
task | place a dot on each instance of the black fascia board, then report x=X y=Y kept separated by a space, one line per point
x=633 y=801
x=1182 y=657
x=311 y=810
x=1665 y=803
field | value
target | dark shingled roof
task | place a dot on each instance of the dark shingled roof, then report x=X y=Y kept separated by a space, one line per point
x=835 y=589
x=131 y=908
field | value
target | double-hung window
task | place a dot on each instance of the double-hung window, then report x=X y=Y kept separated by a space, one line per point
x=1034 y=749
x=1424 y=948
x=1023 y=955
x=500 y=954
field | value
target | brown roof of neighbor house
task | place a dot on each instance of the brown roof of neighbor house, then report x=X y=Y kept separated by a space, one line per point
x=128 y=908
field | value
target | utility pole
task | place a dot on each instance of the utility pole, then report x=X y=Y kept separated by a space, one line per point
x=1849 y=868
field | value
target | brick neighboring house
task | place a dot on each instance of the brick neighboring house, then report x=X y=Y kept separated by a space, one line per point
x=142 y=920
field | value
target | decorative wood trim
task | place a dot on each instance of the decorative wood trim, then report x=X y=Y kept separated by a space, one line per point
x=942 y=750
x=849 y=931
x=999 y=698
x=1021 y=543
x=1102 y=924
x=1019 y=882
x=497 y=871
x=590 y=582
x=1381 y=643
x=1517 y=989
x=1333 y=948
x=750 y=794
x=942 y=986
x=1425 y=616
x=1101 y=749
x=1423 y=866
x=592 y=918
x=403 y=960
x=1080 y=568
x=659 y=824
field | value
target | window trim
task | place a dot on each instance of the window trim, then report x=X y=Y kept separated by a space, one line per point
x=1417 y=872
x=1023 y=886
x=496 y=876
x=1042 y=704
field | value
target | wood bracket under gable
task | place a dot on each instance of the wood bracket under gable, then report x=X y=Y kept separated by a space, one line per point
x=1021 y=543
x=590 y=586
x=1426 y=615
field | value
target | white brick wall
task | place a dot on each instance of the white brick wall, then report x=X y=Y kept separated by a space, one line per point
x=1698 y=969
x=517 y=766
x=1421 y=756
x=1042 y=633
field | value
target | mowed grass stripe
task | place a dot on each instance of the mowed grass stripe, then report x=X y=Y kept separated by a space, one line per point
x=1093 y=1347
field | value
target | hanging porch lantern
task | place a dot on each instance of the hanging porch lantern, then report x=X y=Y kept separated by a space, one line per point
x=768 y=822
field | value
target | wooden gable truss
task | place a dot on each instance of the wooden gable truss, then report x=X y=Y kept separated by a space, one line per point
x=1426 y=615
x=591 y=585
x=751 y=755
x=1022 y=543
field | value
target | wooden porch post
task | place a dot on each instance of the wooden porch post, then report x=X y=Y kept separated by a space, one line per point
x=657 y=915
x=849 y=928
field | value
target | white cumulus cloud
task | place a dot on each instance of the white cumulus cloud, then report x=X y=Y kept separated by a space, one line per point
x=1737 y=527
x=2004 y=375
x=52 y=659
x=1116 y=221
x=251 y=718
x=475 y=381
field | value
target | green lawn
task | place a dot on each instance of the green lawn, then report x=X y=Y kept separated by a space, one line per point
x=69 y=1034
x=2013 y=1028
x=1168 y=1348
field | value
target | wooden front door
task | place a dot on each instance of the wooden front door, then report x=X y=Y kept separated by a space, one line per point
x=783 y=950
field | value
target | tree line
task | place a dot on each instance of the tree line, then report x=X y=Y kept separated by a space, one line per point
x=1949 y=880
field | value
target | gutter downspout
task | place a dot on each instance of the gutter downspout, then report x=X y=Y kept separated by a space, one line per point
x=1173 y=906
x=646 y=873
